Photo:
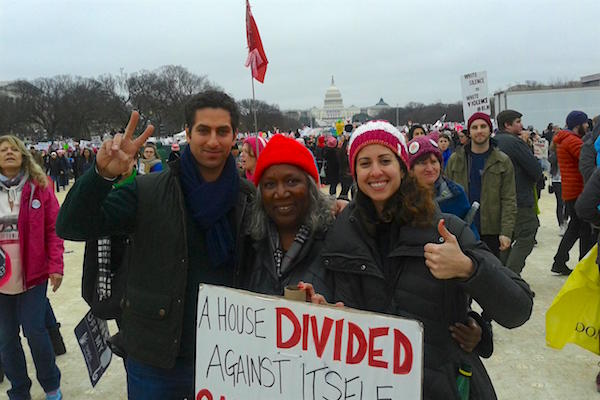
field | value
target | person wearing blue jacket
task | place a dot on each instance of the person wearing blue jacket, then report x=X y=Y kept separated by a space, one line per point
x=425 y=163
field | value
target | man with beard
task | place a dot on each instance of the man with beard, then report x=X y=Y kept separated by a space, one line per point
x=488 y=177
x=528 y=172
x=568 y=145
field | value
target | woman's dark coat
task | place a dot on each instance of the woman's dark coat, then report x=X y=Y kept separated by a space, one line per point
x=408 y=289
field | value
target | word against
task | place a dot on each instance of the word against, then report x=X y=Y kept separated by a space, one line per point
x=250 y=346
x=475 y=93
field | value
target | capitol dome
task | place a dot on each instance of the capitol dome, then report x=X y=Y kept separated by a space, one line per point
x=333 y=98
x=333 y=108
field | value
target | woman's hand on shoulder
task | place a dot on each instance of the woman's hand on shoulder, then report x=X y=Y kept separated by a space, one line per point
x=446 y=260
x=339 y=206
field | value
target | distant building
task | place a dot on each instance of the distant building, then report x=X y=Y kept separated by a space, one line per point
x=13 y=89
x=590 y=80
x=333 y=108
x=381 y=105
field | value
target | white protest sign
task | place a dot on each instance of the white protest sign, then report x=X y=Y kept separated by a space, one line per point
x=475 y=93
x=250 y=346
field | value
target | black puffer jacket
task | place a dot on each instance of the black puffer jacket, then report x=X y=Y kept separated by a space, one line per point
x=306 y=267
x=399 y=283
x=587 y=203
x=587 y=154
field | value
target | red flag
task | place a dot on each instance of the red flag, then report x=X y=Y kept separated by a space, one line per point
x=257 y=59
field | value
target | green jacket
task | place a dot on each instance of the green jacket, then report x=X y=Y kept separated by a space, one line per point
x=498 y=209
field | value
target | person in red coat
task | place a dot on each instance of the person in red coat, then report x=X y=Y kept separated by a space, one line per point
x=568 y=144
x=30 y=255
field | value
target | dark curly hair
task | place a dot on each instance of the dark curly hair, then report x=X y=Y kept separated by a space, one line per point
x=212 y=99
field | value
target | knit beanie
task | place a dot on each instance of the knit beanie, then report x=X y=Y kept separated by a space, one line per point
x=377 y=132
x=576 y=118
x=420 y=146
x=479 y=115
x=284 y=150
x=251 y=141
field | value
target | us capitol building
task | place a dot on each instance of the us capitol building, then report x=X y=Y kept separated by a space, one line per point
x=333 y=109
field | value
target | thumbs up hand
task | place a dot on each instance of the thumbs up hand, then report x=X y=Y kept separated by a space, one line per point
x=446 y=260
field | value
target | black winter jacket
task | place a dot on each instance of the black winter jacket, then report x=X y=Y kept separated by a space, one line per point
x=158 y=260
x=587 y=203
x=58 y=166
x=332 y=166
x=399 y=283
x=306 y=267
x=527 y=168
x=587 y=155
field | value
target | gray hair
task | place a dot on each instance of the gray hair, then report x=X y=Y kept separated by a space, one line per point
x=319 y=215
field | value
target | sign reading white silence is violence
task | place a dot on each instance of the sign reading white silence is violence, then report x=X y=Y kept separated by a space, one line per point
x=475 y=93
x=250 y=346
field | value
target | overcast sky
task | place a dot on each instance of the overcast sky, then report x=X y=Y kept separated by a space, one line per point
x=401 y=50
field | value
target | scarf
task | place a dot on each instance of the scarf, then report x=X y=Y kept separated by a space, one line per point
x=127 y=180
x=147 y=165
x=442 y=191
x=13 y=185
x=282 y=259
x=105 y=275
x=209 y=203
x=249 y=176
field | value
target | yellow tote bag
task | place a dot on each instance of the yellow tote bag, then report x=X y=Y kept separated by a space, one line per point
x=574 y=315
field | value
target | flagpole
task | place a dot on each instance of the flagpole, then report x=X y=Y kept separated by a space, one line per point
x=254 y=105
x=254 y=112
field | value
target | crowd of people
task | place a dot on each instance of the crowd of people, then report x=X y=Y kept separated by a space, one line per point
x=424 y=223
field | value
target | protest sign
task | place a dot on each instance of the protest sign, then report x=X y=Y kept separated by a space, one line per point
x=475 y=93
x=42 y=146
x=92 y=334
x=250 y=346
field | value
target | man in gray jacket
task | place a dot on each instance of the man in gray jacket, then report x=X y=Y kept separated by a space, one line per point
x=527 y=173
x=587 y=156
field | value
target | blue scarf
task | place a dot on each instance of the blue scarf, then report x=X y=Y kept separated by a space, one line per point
x=209 y=203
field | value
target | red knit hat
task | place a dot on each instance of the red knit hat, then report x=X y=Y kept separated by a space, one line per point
x=420 y=146
x=479 y=115
x=283 y=150
x=377 y=132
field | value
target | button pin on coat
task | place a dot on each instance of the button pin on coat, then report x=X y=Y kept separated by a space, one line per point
x=35 y=204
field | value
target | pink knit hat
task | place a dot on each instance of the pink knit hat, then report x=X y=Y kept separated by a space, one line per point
x=420 y=146
x=251 y=141
x=377 y=132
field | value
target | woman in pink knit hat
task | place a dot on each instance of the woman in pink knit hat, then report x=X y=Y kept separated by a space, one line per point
x=251 y=149
x=391 y=251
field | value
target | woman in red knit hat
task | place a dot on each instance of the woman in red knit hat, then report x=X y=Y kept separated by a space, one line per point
x=391 y=251
x=289 y=221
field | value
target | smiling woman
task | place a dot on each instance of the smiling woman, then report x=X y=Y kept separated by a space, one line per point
x=289 y=219
x=391 y=251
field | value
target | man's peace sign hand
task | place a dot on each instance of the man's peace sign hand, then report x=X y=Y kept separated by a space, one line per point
x=115 y=155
